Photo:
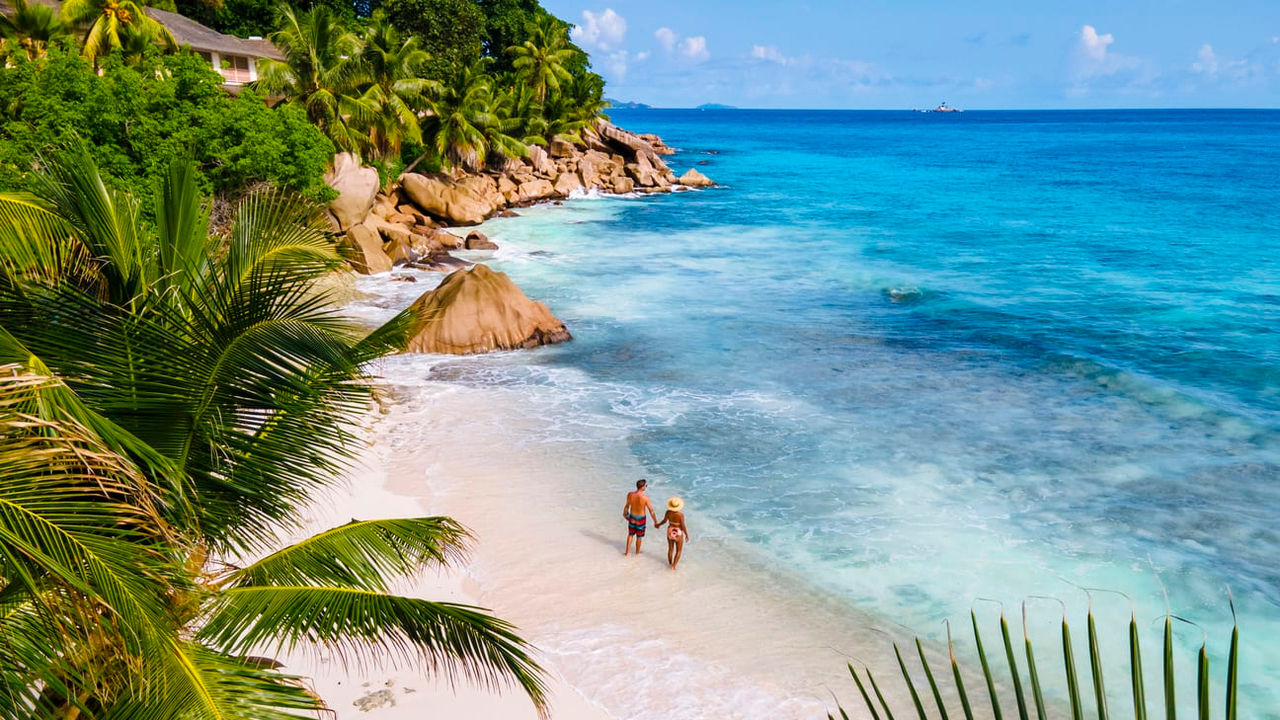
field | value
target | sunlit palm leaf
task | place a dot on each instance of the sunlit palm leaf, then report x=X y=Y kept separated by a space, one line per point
x=453 y=641
x=361 y=554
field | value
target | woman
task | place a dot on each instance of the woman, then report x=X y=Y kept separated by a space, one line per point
x=677 y=531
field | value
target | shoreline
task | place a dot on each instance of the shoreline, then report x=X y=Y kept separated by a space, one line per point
x=380 y=691
x=726 y=630
x=707 y=640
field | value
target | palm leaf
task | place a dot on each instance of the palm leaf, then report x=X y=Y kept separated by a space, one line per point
x=455 y=641
x=201 y=684
x=360 y=554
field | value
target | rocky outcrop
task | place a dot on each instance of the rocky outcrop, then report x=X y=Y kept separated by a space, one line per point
x=567 y=183
x=402 y=225
x=363 y=249
x=461 y=201
x=656 y=143
x=562 y=148
x=479 y=310
x=534 y=190
x=477 y=240
x=357 y=187
x=693 y=178
x=540 y=161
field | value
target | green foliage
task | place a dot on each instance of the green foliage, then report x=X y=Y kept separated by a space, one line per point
x=136 y=119
x=466 y=122
x=243 y=18
x=506 y=24
x=30 y=29
x=452 y=32
x=167 y=394
x=106 y=20
x=542 y=60
x=320 y=73
x=998 y=682
x=390 y=70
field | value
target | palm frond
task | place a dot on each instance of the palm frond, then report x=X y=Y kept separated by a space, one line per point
x=453 y=641
x=364 y=554
x=1001 y=686
x=202 y=684
x=83 y=566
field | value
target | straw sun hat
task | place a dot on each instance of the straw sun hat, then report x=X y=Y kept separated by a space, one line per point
x=675 y=504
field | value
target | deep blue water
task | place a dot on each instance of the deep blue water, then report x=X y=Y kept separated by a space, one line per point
x=929 y=358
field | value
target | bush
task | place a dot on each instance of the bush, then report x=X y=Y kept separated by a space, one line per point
x=452 y=31
x=137 y=118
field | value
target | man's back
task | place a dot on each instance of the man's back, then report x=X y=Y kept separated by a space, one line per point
x=637 y=502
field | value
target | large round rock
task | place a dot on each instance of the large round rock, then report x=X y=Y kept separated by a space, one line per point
x=479 y=310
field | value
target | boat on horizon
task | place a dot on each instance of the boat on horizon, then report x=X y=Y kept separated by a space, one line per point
x=943 y=108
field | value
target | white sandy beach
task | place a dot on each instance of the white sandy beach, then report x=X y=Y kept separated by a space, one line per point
x=622 y=637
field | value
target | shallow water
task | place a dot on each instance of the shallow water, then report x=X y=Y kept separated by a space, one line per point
x=923 y=359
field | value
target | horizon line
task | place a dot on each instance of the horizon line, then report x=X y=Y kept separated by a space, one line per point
x=903 y=109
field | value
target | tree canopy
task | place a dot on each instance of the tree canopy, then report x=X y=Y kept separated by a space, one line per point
x=135 y=120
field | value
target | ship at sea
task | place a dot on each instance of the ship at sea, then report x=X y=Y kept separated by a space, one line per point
x=943 y=108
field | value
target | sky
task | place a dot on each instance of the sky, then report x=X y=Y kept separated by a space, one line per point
x=916 y=53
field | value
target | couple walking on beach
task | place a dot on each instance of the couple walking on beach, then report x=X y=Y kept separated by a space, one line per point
x=634 y=510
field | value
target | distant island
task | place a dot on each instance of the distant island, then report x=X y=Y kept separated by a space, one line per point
x=633 y=105
x=628 y=105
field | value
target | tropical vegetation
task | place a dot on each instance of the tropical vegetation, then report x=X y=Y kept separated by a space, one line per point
x=170 y=399
x=176 y=387
x=134 y=118
x=1003 y=692
x=31 y=28
x=433 y=84
x=392 y=90
x=108 y=21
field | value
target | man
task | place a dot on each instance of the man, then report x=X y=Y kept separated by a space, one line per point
x=633 y=512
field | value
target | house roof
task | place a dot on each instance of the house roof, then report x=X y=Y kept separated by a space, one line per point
x=191 y=33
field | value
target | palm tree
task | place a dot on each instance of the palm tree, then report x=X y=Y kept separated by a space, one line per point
x=394 y=88
x=133 y=45
x=32 y=27
x=81 y=551
x=106 y=20
x=541 y=61
x=319 y=73
x=216 y=369
x=516 y=102
x=460 y=116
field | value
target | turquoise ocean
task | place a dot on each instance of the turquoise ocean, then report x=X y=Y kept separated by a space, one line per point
x=916 y=360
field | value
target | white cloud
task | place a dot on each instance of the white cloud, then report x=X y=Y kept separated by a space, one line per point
x=695 y=48
x=600 y=31
x=1093 y=45
x=770 y=54
x=1206 y=61
x=1096 y=62
x=642 y=56
x=666 y=37
x=615 y=64
x=1211 y=66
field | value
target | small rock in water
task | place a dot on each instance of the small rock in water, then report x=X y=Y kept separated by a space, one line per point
x=477 y=240
x=905 y=294
x=403 y=278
